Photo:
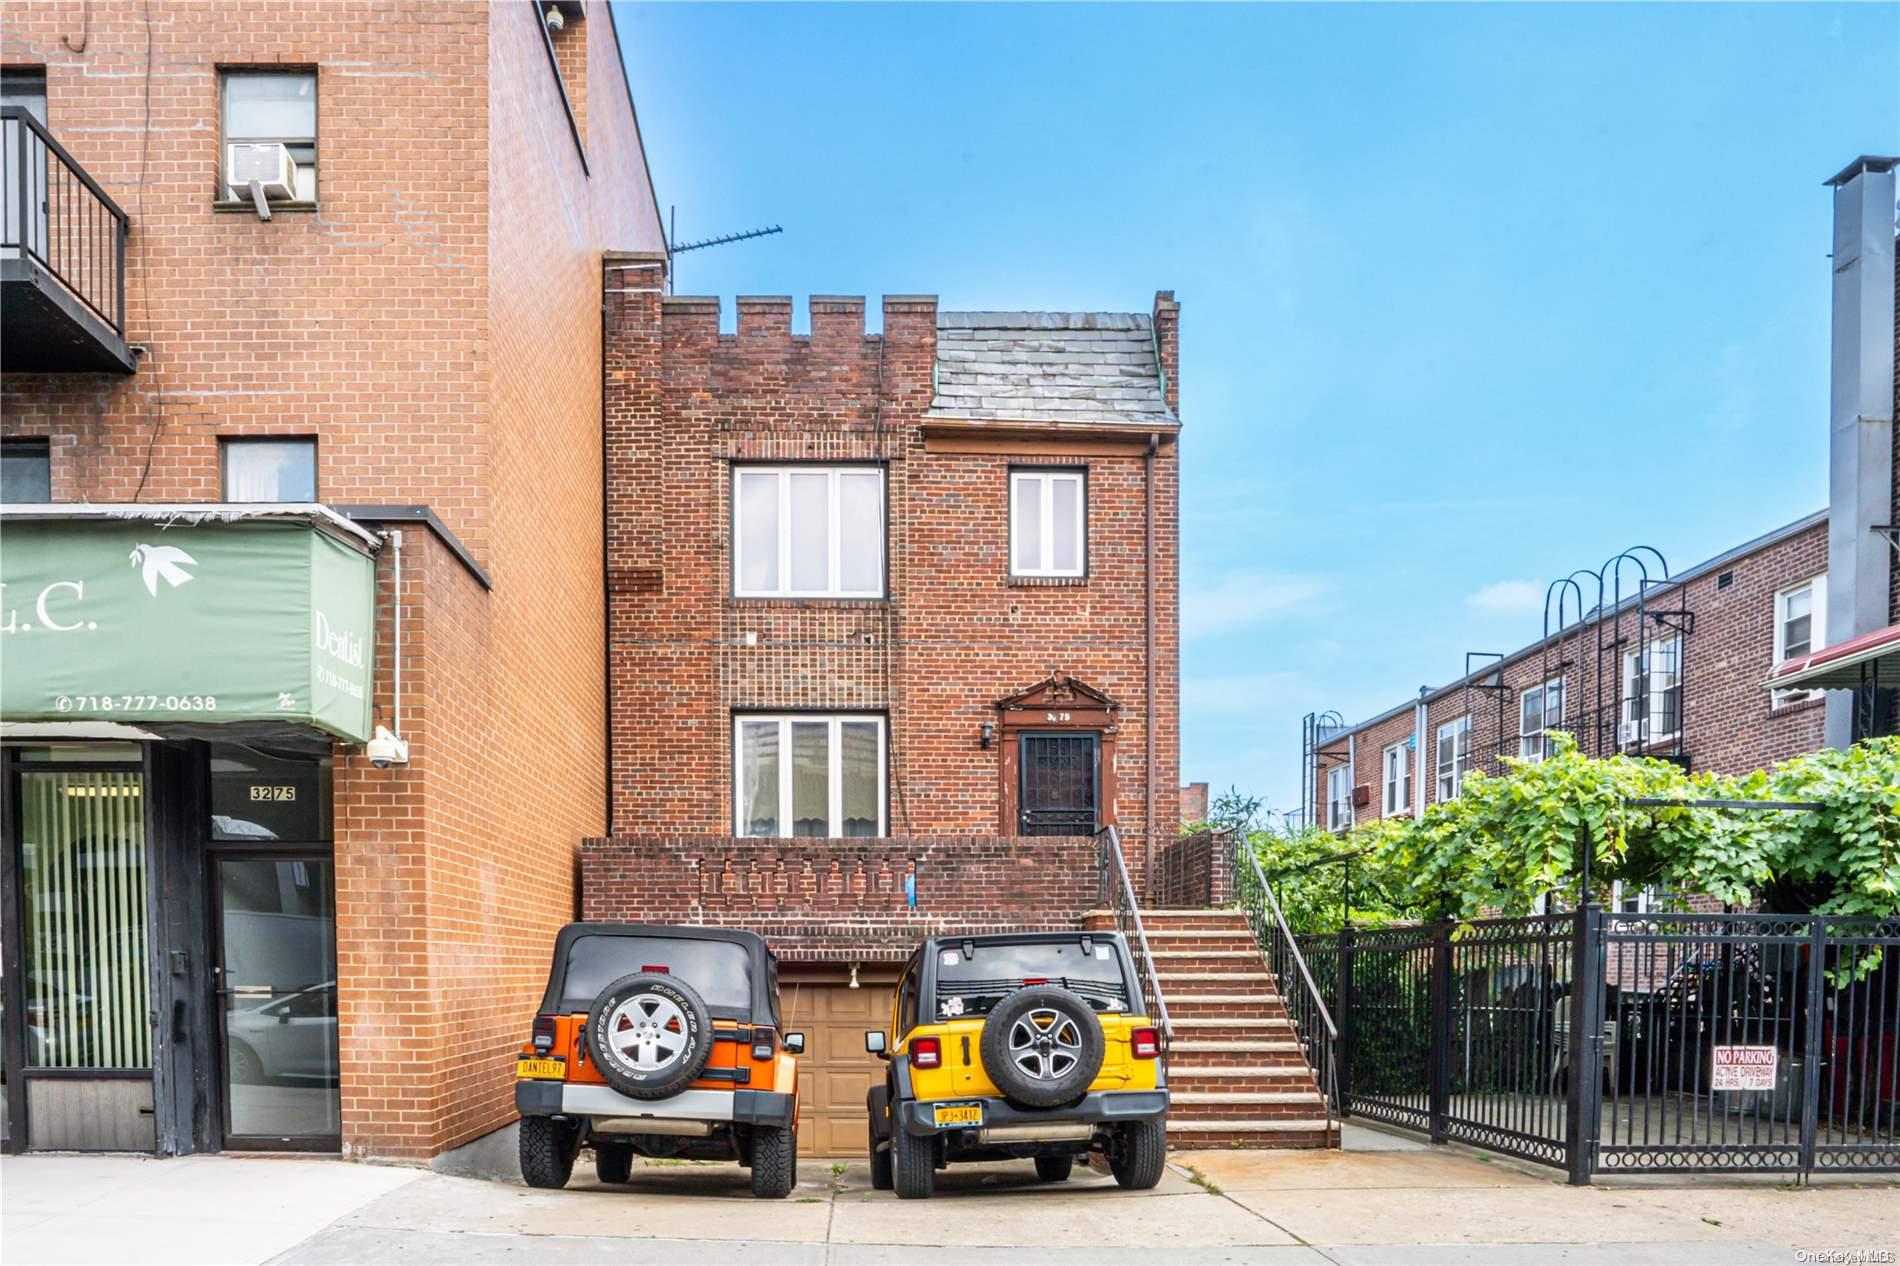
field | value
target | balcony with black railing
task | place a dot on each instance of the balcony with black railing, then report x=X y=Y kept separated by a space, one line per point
x=62 y=259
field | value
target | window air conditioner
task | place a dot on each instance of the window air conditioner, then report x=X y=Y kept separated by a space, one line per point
x=267 y=164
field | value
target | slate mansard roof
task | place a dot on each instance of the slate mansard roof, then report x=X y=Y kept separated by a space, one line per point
x=1080 y=367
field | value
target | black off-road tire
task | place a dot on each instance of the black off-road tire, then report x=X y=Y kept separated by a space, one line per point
x=1138 y=1154
x=678 y=1072
x=913 y=1164
x=1054 y=1168
x=1018 y=1086
x=613 y=1162
x=877 y=1102
x=548 y=1149
x=774 y=1162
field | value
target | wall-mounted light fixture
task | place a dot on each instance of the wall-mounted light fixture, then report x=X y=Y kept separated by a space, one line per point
x=985 y=733
x=854 y=977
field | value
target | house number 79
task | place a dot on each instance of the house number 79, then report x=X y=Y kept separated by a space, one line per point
x=1055 y=716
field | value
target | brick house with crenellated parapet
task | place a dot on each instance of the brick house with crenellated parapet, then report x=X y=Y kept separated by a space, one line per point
x=893 y=627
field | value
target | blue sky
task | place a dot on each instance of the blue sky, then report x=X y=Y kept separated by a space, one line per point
x=1472 y=296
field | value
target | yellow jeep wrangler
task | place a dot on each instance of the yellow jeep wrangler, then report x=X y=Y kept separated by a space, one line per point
x=1018 y=1045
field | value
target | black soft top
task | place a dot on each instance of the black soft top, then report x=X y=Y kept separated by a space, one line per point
x=764 y=963
x=934 y=945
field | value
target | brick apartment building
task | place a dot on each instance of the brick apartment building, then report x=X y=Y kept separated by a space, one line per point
x=223 y=926
x=1635 y=658
x=893 y=627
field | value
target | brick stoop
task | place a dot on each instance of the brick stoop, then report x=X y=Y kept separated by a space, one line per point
x=1238 y=1075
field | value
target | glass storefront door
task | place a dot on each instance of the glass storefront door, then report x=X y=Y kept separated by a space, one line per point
x=277 y=992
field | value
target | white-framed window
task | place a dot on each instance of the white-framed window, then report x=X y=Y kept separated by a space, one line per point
x=1652 y=694
x=1454 y=756
x=1538 y=709
x=808 y=774
x=271 y=105
x=1395 y=765
x=808 y=531
x=1625 y=899
x=1338 y=798
x=1800 y=628
x=1048 y=522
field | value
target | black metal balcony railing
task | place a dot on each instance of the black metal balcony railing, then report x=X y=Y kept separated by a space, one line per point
x=58 y=217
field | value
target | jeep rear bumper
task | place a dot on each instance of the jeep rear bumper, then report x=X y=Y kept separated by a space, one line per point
x=743 y=1107
x=1101 y=1107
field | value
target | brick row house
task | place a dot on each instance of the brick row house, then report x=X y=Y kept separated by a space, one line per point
x=1779 y=646
x=274 y=484
x=893 y=628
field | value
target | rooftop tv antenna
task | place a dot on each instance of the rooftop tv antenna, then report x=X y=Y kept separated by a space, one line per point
x=676 y=247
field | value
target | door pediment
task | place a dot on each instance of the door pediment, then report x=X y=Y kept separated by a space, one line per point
x=1058 y=700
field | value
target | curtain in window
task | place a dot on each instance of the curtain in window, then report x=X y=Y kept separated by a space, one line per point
x=83 y=868
x=811 y=778
x=758 y=773
x=858 y=739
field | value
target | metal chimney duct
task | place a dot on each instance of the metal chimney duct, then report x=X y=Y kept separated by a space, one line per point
x=1860 y=416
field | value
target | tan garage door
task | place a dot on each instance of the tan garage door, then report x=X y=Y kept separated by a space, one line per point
x=836 y=1070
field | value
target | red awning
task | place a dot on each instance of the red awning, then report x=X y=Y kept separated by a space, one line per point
x=1843 y=666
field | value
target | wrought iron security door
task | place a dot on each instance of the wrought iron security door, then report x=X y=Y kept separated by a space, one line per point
x=1061 y=784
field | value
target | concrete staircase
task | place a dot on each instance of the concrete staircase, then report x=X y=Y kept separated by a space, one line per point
x=1236 y=1070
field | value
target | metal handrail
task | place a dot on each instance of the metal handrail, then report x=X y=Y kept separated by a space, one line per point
x=1293 y=946
x=1121 y=899
x=80 y=242
x=1264 y=934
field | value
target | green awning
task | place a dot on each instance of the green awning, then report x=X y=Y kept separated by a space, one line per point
x=187 y=616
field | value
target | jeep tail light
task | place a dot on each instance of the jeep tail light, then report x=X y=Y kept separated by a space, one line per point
x=762 y=1043
x=926 y=1052
x=1034 y=980
x=657 y=969
x=543 y=1033
x=1145 y=1043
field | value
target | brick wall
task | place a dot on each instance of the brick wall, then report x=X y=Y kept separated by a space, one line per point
x=844 y=899
x=436 y=326
x=684 y=402
x=1730 y=724
x=1194 y=870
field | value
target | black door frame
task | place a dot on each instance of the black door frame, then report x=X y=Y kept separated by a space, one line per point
x=217 y=852
x=1024 y=764
x=13 y=943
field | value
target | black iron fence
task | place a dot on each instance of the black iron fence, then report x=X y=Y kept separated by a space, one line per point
x=1607 y=1042
x=53 y=212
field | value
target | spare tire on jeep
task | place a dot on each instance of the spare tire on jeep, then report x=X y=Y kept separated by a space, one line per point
x=650 y=1035
x=1042 y=1046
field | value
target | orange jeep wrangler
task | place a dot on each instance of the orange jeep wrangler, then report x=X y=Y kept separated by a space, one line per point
x=659 y=1041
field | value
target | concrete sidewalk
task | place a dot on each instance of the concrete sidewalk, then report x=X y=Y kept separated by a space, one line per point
x=1407 y=1206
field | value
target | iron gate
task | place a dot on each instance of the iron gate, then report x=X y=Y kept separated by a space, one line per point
x=1627 y=1043
x=1060 y=784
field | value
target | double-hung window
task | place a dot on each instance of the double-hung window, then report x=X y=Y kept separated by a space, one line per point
x=1539 y=709
x=1652 y=693
x=1397 y=767
x=1800 y=628
x=1454 y=756
x=1338 y=798
x=808 y=531
x=264 y=106
x=1048 y=522
x=808 y=774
